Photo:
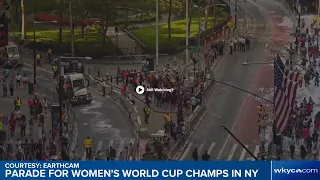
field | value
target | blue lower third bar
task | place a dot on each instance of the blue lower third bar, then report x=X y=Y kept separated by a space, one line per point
x=262 y=170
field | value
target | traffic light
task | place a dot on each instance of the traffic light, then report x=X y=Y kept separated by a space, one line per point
x=195 y=3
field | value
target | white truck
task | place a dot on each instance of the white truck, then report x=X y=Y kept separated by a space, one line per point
x=10 y=56
x=75 y=89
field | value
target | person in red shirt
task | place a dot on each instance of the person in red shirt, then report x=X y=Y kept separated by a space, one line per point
x=30 y=105
x=308 y=109
x=305 y=133
x=12 y=124
x=123 y=76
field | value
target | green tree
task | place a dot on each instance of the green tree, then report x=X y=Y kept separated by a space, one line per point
x=106 y=11
x=166 y=8
x=61 y=10
x=79 y=13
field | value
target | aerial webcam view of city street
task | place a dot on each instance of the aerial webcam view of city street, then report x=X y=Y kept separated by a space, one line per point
x=231 y=80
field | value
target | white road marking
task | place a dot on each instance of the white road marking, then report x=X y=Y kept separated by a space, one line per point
x=119 y=149
x=256 y=5
x=200 y=148
x=256 y=152
x=99 y=146
x=111 y=143
x=211 y=147
x=38 y=68
x=243 y=153
x=186 y=152
x=226 y=141
x=201 y=118
x=233 y=150
x=84 y=157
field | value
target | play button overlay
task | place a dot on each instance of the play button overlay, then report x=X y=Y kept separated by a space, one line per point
x=140 y=89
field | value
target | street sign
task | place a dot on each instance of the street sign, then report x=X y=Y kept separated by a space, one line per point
x=202 y=26
x=194 y=49
x=264 y=116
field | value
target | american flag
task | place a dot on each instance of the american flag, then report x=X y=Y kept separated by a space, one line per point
x=286 y=84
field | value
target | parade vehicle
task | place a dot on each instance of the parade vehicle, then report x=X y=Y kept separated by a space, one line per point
x=74 y=86
x=10 y=56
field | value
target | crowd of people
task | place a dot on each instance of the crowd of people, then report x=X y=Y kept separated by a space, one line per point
x=183 y=98
x=38 y=143
x=302 y=133
x=239 y=44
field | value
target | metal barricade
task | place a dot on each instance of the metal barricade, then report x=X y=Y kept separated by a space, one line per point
x=128 y=59
x=125 y=103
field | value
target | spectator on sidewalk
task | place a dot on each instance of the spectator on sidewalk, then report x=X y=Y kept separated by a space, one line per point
x=18 y=80
x=25 y=80
x=147 y=111
x=17 y=103
x=11 y=88
x=4 y=88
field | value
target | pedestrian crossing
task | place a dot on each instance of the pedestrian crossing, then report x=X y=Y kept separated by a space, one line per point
x=118 y=144
x=218 y=151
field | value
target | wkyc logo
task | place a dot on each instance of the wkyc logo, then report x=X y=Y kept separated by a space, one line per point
x=295 y=171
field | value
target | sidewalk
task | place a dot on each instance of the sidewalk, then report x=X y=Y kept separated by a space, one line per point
x=156 y=119
x=156 y=122
x=303 y=92
x=7 y=107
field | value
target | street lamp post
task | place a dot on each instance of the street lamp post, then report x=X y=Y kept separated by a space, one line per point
x=157 y=34
x=187 y=40
x=34 y=48
x=235 y=16
x=199 y=43
x=34 y=55
x=116 y=30
x=72 y=29
x=299 y=15
x=117 y=44
x=61 y=93
x=61 y=82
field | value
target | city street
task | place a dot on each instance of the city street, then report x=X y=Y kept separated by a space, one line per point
x=231 y=107
x=102 y=120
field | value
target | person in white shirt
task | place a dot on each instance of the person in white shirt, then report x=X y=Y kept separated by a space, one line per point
x=231 y=43
x=45 y=105
x=292 y=144
x=17 y=114
x=235 y=41
x=65 y=122
x=40 y=131
x=18 y=79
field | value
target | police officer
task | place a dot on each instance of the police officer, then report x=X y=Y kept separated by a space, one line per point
x=54 y=69
x=147 y=111
x=1 y=125
x=88 y=146
x=206 y=156
x=38 y=59
x=195 y=154
x=49 y=53
x=167 y=118
x=17 y=103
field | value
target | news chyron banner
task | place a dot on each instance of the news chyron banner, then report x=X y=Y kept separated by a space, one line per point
x=3 y=30
x=261 y=170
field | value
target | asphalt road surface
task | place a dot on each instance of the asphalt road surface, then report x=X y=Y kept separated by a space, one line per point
x=102 y=120
x=231 y=107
